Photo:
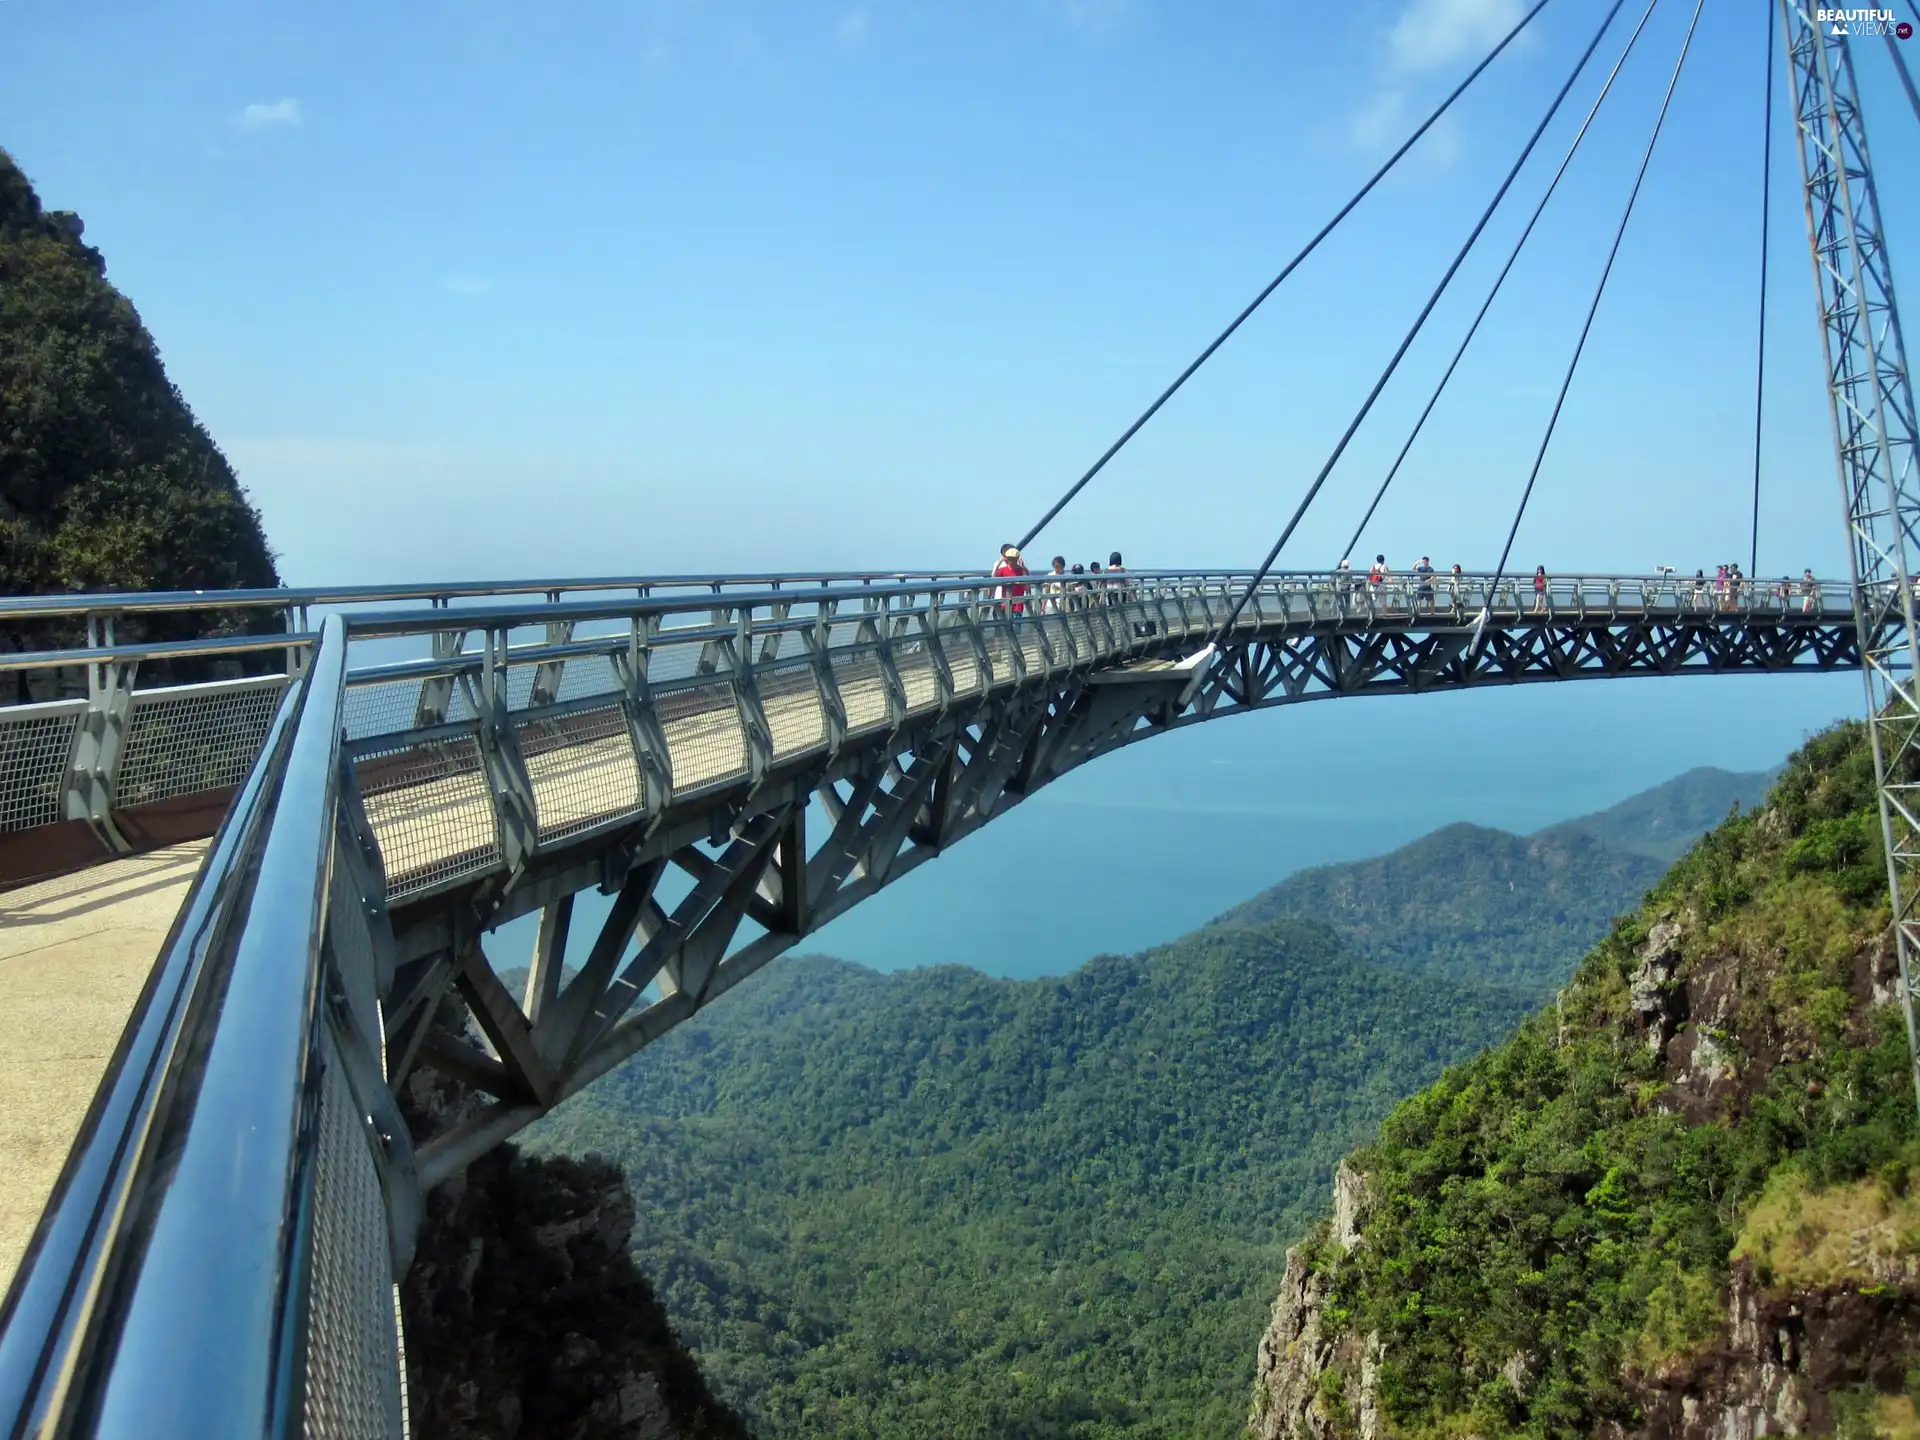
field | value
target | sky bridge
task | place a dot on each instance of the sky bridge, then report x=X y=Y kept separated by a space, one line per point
x=255 y=846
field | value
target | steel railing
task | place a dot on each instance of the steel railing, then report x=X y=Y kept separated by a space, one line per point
x=201 y=1268
x=69 y=759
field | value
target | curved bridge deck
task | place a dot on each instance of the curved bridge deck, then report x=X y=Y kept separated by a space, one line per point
x=734 y=762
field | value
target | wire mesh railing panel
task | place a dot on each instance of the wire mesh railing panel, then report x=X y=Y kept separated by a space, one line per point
x=705 y=740
x=582 y=768
x=195 y=738
x=587 y=675
x=386 y=708
x=431 y=813
x=353 y=1359
x=1028 y=638
x=918 y=678
x=796 y=722
x=668 y=662
x=1001 y=650
x=863 y=691
x=961 y=663
x=35 y=743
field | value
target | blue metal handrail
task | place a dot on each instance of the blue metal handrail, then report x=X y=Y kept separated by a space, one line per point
x=162 y=1294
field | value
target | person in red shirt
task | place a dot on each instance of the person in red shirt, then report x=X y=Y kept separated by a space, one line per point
x=1011 y=564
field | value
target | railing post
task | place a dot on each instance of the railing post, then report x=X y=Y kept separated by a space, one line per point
x=643 y=721
x=100 y=741
x=547 y=674
x=833 y=710
x=747 y=702
x=936 y=651
x=879 y=633
x=516 y=816
x=436 y=692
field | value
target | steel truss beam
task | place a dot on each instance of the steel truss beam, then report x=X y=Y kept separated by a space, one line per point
x=798 y=850
x=1874 y=434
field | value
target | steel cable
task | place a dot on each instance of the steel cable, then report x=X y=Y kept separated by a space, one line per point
x=1499 y=281
x=1420 y=320
x=1586 y=329
x=1760 y=363
x=1274 y=284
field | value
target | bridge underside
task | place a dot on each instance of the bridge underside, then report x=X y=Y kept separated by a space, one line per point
x=711 y=888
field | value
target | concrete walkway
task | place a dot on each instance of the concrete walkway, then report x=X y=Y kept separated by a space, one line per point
x=74 y=952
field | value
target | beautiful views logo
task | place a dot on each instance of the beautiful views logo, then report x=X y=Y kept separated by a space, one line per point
x=1863 y=22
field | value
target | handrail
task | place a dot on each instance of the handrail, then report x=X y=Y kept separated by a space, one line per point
x=39 y=607
x=1671 y=591
x=155 y=1298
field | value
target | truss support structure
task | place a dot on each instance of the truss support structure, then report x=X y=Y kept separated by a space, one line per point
x=1874 y=435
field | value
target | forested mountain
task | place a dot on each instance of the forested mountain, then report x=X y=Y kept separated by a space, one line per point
x=1487 y=905
x=1662 y=823
x=937 y=1204
x=1681 y=1202
x=1470 y=903
x=106 y=479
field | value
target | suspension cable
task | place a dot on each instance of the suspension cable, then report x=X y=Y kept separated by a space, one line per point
x=1274 y=284
x=1499 y=281
x=1760 y=363
x=1599 y=290
x=1420 y=320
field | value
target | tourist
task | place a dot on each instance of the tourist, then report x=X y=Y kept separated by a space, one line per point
x=1809 y=591
x=1053 y=587
x=1539 y=589
x=1424 y=572
x=1010 y=596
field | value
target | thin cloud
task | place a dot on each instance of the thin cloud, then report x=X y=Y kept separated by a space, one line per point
x=280 y=114
x=852 y=28
x=1432 y=33
x=469 y=286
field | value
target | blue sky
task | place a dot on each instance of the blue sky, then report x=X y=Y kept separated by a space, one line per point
x=479 y=288
x=688 y=283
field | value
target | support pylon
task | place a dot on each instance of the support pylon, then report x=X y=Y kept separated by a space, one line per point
x=1874 y=438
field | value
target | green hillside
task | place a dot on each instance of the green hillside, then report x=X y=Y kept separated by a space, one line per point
x=1469 y=903
x=106 y=479
x=937 y=1204
x=1662 y=823
x=1684 y=1190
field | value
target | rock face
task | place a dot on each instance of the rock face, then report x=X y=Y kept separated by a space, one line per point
x=1747 y=1006
x=1290 y=1402
x=527 y=1320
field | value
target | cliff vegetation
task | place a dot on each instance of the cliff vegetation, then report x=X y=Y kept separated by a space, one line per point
x=1678 y=1201
x=107 y=482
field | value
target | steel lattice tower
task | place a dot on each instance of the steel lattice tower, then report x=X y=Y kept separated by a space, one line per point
x=1874 y=443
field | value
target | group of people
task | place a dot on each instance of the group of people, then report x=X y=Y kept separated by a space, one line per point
x=1378 y=574
x=1731 y=589
x=1061 y=587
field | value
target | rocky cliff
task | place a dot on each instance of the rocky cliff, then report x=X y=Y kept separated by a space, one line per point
x=526 y=1318
x=1684 y=1201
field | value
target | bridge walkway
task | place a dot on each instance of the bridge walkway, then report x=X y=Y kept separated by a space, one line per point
x=74 y=953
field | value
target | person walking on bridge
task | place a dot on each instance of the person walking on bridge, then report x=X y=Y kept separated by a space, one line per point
x=1809 y=591
x=1011 y=596
x=1053 y=588
x=1117 y=589
x=1424 y=573
x=1539 y=589
x=1455 y=577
